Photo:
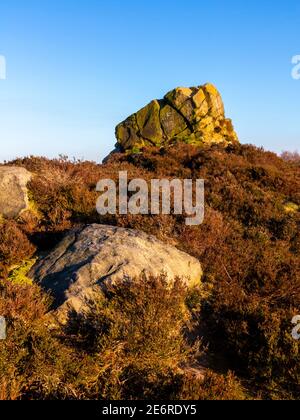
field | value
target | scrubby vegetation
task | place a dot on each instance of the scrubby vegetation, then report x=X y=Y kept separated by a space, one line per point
x=131 y=345
x=249 y=248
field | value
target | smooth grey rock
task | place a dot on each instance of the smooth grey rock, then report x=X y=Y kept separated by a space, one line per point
x=97 y=256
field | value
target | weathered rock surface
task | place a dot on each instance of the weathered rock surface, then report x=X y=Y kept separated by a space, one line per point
x=97 y=256
x=191 y=115
x=13 y=191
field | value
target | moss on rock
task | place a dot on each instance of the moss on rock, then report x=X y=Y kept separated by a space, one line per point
x=190 y=115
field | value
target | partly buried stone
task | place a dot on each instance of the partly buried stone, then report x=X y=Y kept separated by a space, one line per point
x=96 y=257
x=172 y=122
x=13 y=191
x=180 y=117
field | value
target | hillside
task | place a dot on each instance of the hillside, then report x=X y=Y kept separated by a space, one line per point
x=248 y=247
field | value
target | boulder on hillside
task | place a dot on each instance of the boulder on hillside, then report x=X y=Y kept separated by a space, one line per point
x=93 y=258
x=191 y=115
x=13 y=191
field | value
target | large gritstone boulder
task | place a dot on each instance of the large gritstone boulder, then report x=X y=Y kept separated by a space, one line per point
x=192 y=115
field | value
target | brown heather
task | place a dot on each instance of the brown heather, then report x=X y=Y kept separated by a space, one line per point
x=249 y=248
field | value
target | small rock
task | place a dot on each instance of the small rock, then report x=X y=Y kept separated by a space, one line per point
x=180 y=116
x=96 y=257
x=13 y=191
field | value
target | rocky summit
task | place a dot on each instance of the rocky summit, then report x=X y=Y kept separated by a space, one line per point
x=191 y=115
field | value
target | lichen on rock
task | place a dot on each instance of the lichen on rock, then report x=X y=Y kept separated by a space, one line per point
x=192 y=115
x=19 y=274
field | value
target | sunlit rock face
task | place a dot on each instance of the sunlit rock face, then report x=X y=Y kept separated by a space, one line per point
x=191 y=115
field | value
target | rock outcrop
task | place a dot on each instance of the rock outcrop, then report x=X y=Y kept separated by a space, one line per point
x=191 y=115
x=96 y=257
x=13 y=191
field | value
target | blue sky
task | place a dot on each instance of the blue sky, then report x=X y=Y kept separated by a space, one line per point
x=77 y=68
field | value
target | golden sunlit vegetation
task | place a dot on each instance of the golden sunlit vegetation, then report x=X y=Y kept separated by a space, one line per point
x=249 y=248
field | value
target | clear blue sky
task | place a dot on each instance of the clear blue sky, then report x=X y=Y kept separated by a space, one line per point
x=77 y=68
